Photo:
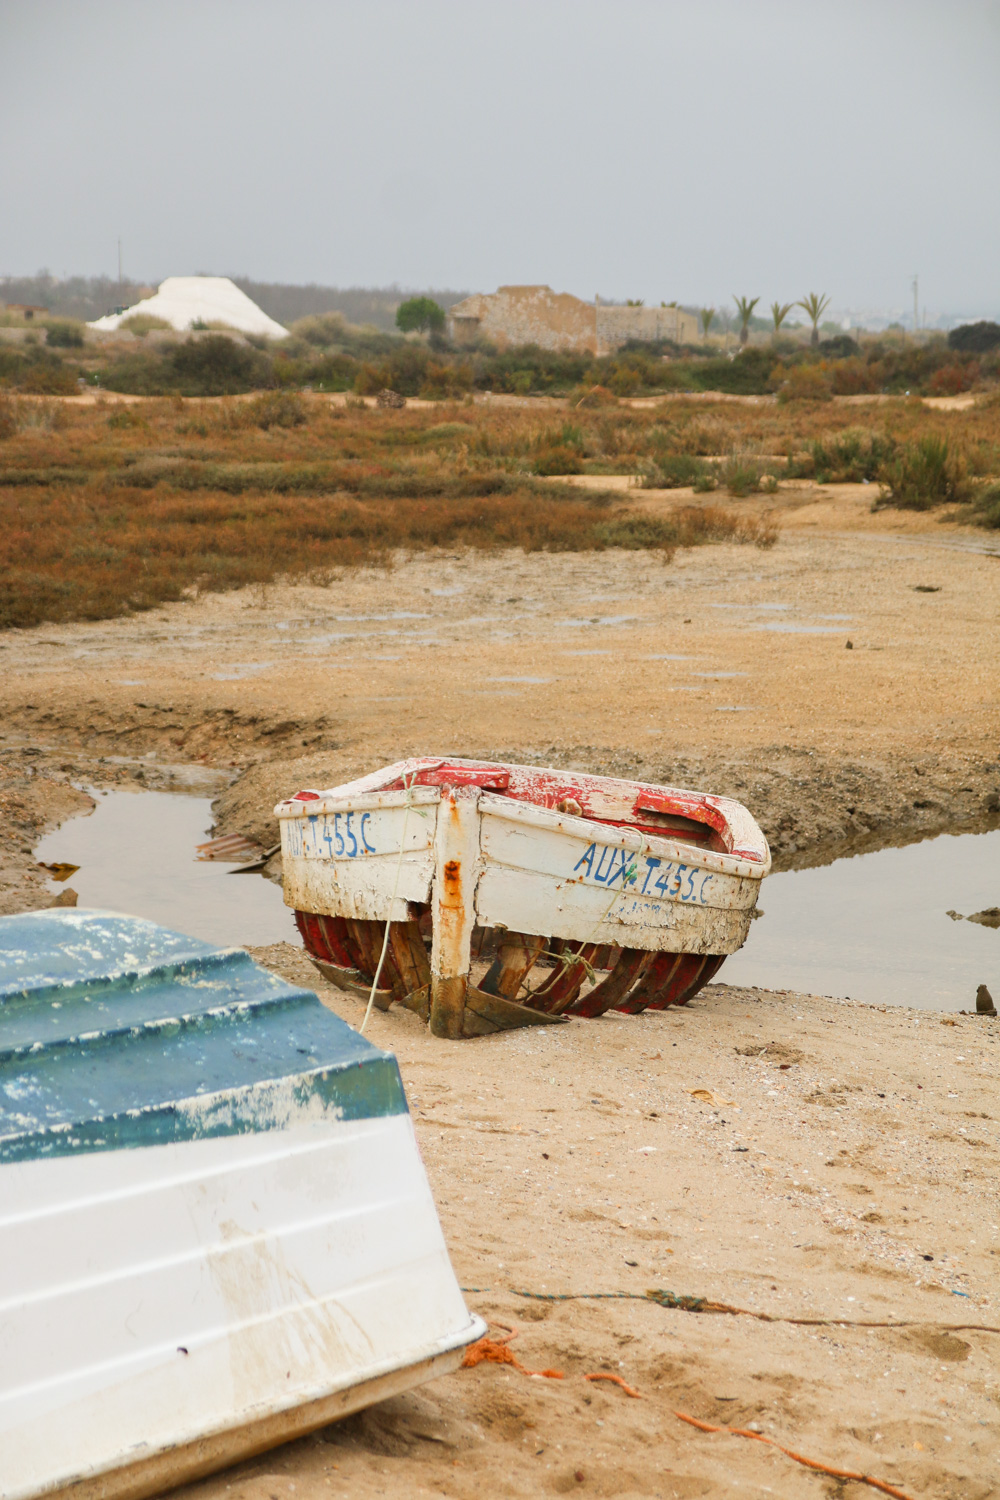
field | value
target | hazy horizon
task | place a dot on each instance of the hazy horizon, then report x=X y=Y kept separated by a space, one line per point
x=638 y=149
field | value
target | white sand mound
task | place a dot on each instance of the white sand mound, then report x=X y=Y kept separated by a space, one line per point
x=183 y=300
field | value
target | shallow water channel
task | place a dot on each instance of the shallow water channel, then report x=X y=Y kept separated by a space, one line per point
x=136 y=853
x=874 y=927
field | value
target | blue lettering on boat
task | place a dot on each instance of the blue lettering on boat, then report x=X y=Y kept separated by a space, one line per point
x=675 y=881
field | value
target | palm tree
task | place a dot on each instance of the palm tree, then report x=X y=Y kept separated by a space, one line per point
x=707 y=314
x=814 y=306
x=745 y=307
x=779 y=312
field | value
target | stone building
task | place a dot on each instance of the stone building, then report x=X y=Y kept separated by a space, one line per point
x=515 y=315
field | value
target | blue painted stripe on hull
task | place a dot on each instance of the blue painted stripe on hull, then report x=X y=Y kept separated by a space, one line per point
x=356 y=1091
x=115 y=1033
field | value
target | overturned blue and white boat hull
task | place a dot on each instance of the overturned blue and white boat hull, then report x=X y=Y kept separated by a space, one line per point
x=215 y=1228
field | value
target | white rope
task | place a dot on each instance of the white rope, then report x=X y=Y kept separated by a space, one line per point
x=392 y=903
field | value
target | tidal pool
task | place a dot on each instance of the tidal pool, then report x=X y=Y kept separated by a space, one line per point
x=875 y=927
x=136 y=853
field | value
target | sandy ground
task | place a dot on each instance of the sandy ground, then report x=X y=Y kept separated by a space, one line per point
x=575 y=1158
x=845 y=1170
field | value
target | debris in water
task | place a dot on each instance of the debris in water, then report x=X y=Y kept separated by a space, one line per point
x=234 y=847
x=988 y=917
x=58 y=871
x=68 y=897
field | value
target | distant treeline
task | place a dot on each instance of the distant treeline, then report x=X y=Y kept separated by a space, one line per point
x=90 y=297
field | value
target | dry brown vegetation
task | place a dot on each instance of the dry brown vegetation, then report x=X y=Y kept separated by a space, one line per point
x=114 y=507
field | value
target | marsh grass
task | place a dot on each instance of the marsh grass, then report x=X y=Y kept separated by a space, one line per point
x=850 y=457
x=109 y=508
x=985 y=508
x=924 y=474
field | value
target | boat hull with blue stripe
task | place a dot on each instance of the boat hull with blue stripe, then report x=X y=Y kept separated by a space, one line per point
x=216 y=1232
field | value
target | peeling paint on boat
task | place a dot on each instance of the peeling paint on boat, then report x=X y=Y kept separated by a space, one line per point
x=215 y=1227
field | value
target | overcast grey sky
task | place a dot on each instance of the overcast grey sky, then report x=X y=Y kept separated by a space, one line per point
x=641 y=148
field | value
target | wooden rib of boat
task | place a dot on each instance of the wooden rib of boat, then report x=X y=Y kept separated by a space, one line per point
x=216 y=1232
x=516 y=895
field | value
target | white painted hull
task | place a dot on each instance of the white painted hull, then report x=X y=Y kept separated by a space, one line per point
x=532 y=870
x=168 y=1309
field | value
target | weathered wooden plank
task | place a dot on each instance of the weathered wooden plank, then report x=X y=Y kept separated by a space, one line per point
x=502 y=810
x=352 y=982
x=656 y=978
x=410 y=955
x=592 y=855
x=522 y=899
x=564 y=983
x=603 y=996
x=456 y=872
x=363 y=891
x=505 y=1014
x=419 y=1001
x=516 y=953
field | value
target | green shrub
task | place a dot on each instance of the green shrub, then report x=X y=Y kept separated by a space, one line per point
x=218 y=366
x=558 y=460
x=64 y=336
x=747 y=374
x=38 y=372
x=277 y=409
x=804 y=382
x=125 y=417
x=740 y=475
x=986 y=508
x=143 y=323
x=849 y=458
x=924 y=474
x=419 y=315
x=705 y=483
x=213 y=366
x=840 y=346
x=322 y=330
x=672 y=471
x=975 y=338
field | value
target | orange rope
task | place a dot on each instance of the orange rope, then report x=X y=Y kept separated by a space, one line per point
x=810 y=1463
x=617 y=1380
x=499 y=1352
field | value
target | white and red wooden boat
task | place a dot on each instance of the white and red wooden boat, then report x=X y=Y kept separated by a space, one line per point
x=516 y=895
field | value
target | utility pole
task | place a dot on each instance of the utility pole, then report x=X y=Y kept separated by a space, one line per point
x=916 y=308
x=121 y=296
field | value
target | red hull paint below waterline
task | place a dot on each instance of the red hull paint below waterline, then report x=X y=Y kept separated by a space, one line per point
x=508 y=895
